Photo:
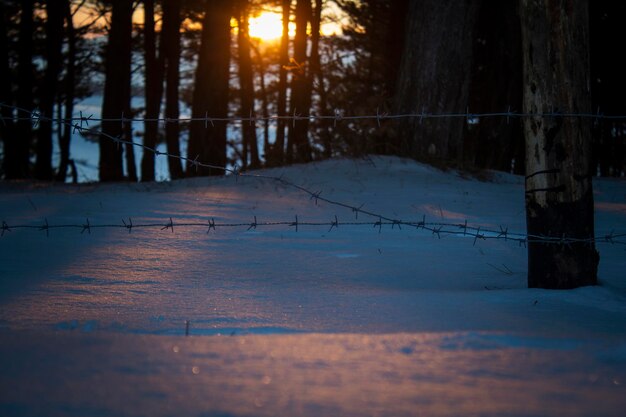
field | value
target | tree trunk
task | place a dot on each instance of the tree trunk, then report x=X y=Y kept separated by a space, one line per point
x=608 y=84
x=434 y=77
x=131 y=165
x=153 y=90
x=264 y=107
x=54 y=44
x=298 y=146
x=317 y=74
x=25 y=82
x=171 y=50
x=70 y=80
x=207 y=139
x=7 y=127
x=496 y=86
x=246 y=88
x=278 y=152
x=559 y=196
x=116 y=90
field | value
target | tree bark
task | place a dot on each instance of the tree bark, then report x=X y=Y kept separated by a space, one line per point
x=434 y=77
x=25 y=82
x=70 y=80
x=246 y=89
x=7 y=127
x=559 y=195
x=116 y=90
x=171 y=50
x=54 y=44
x=496 y=86
x=278 y=151
x=153 y=90
x=298 y=146
x=318 y=75
x=264 y=106
x=207 y=140
x=129 y=148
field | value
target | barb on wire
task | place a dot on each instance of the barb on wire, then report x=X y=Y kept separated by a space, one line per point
x=5 y=228
x=379 y=224
x=504 y=232
x=334 y=224
x=253 y=225
x=478 y=236
x=128 y=225
x=211 y=225
x=86 y=227
x=295 y=224
x=170 y=225
x=45 y=227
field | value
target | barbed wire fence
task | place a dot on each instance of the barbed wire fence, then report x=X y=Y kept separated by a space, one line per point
x=80 y=124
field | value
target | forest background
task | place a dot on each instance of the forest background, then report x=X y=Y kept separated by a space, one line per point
x=285 y=77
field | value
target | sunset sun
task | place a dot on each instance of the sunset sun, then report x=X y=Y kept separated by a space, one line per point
x=267 y=26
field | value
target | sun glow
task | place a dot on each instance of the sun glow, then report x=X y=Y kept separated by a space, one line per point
x=267 y=26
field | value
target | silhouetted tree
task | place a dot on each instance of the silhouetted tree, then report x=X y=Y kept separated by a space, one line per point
x=361 y=72
x=435 y=77
x=278 y=151
x=207 y=141
x=559 y=195
x=608 y=84
x=246 y=87
x=116 y=90
x=496 y=86
x=153 y=65
x=7 y=127
x=298 y=145
x=55 y=10
x=25 y=96
x=170 y=40
x=70 y=96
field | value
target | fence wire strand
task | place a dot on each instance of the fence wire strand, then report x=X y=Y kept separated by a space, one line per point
x=437 y=229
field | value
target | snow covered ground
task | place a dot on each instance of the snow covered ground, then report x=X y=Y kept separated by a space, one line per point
x=323 y=321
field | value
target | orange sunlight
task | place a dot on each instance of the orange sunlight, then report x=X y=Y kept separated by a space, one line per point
x=268 y=26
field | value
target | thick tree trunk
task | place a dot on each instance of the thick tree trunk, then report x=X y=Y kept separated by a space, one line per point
x=608 y=84
x=278 y=152
x=394 y=38
x=153 y=90
x=496 y=86
x=207 y=140
x=298 y=146
x=7 y=127
x=54 y=44
x=246 y=89
x=318 y=75
x=559 y=196
x=25 y=82
x=116 y=90
x=70 y=80
x=434 y=77
x=171 y=50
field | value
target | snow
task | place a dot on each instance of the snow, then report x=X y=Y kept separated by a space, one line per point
x=340 y=321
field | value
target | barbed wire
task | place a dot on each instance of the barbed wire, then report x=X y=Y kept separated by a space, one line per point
x=438 y=229
x=338 y=116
